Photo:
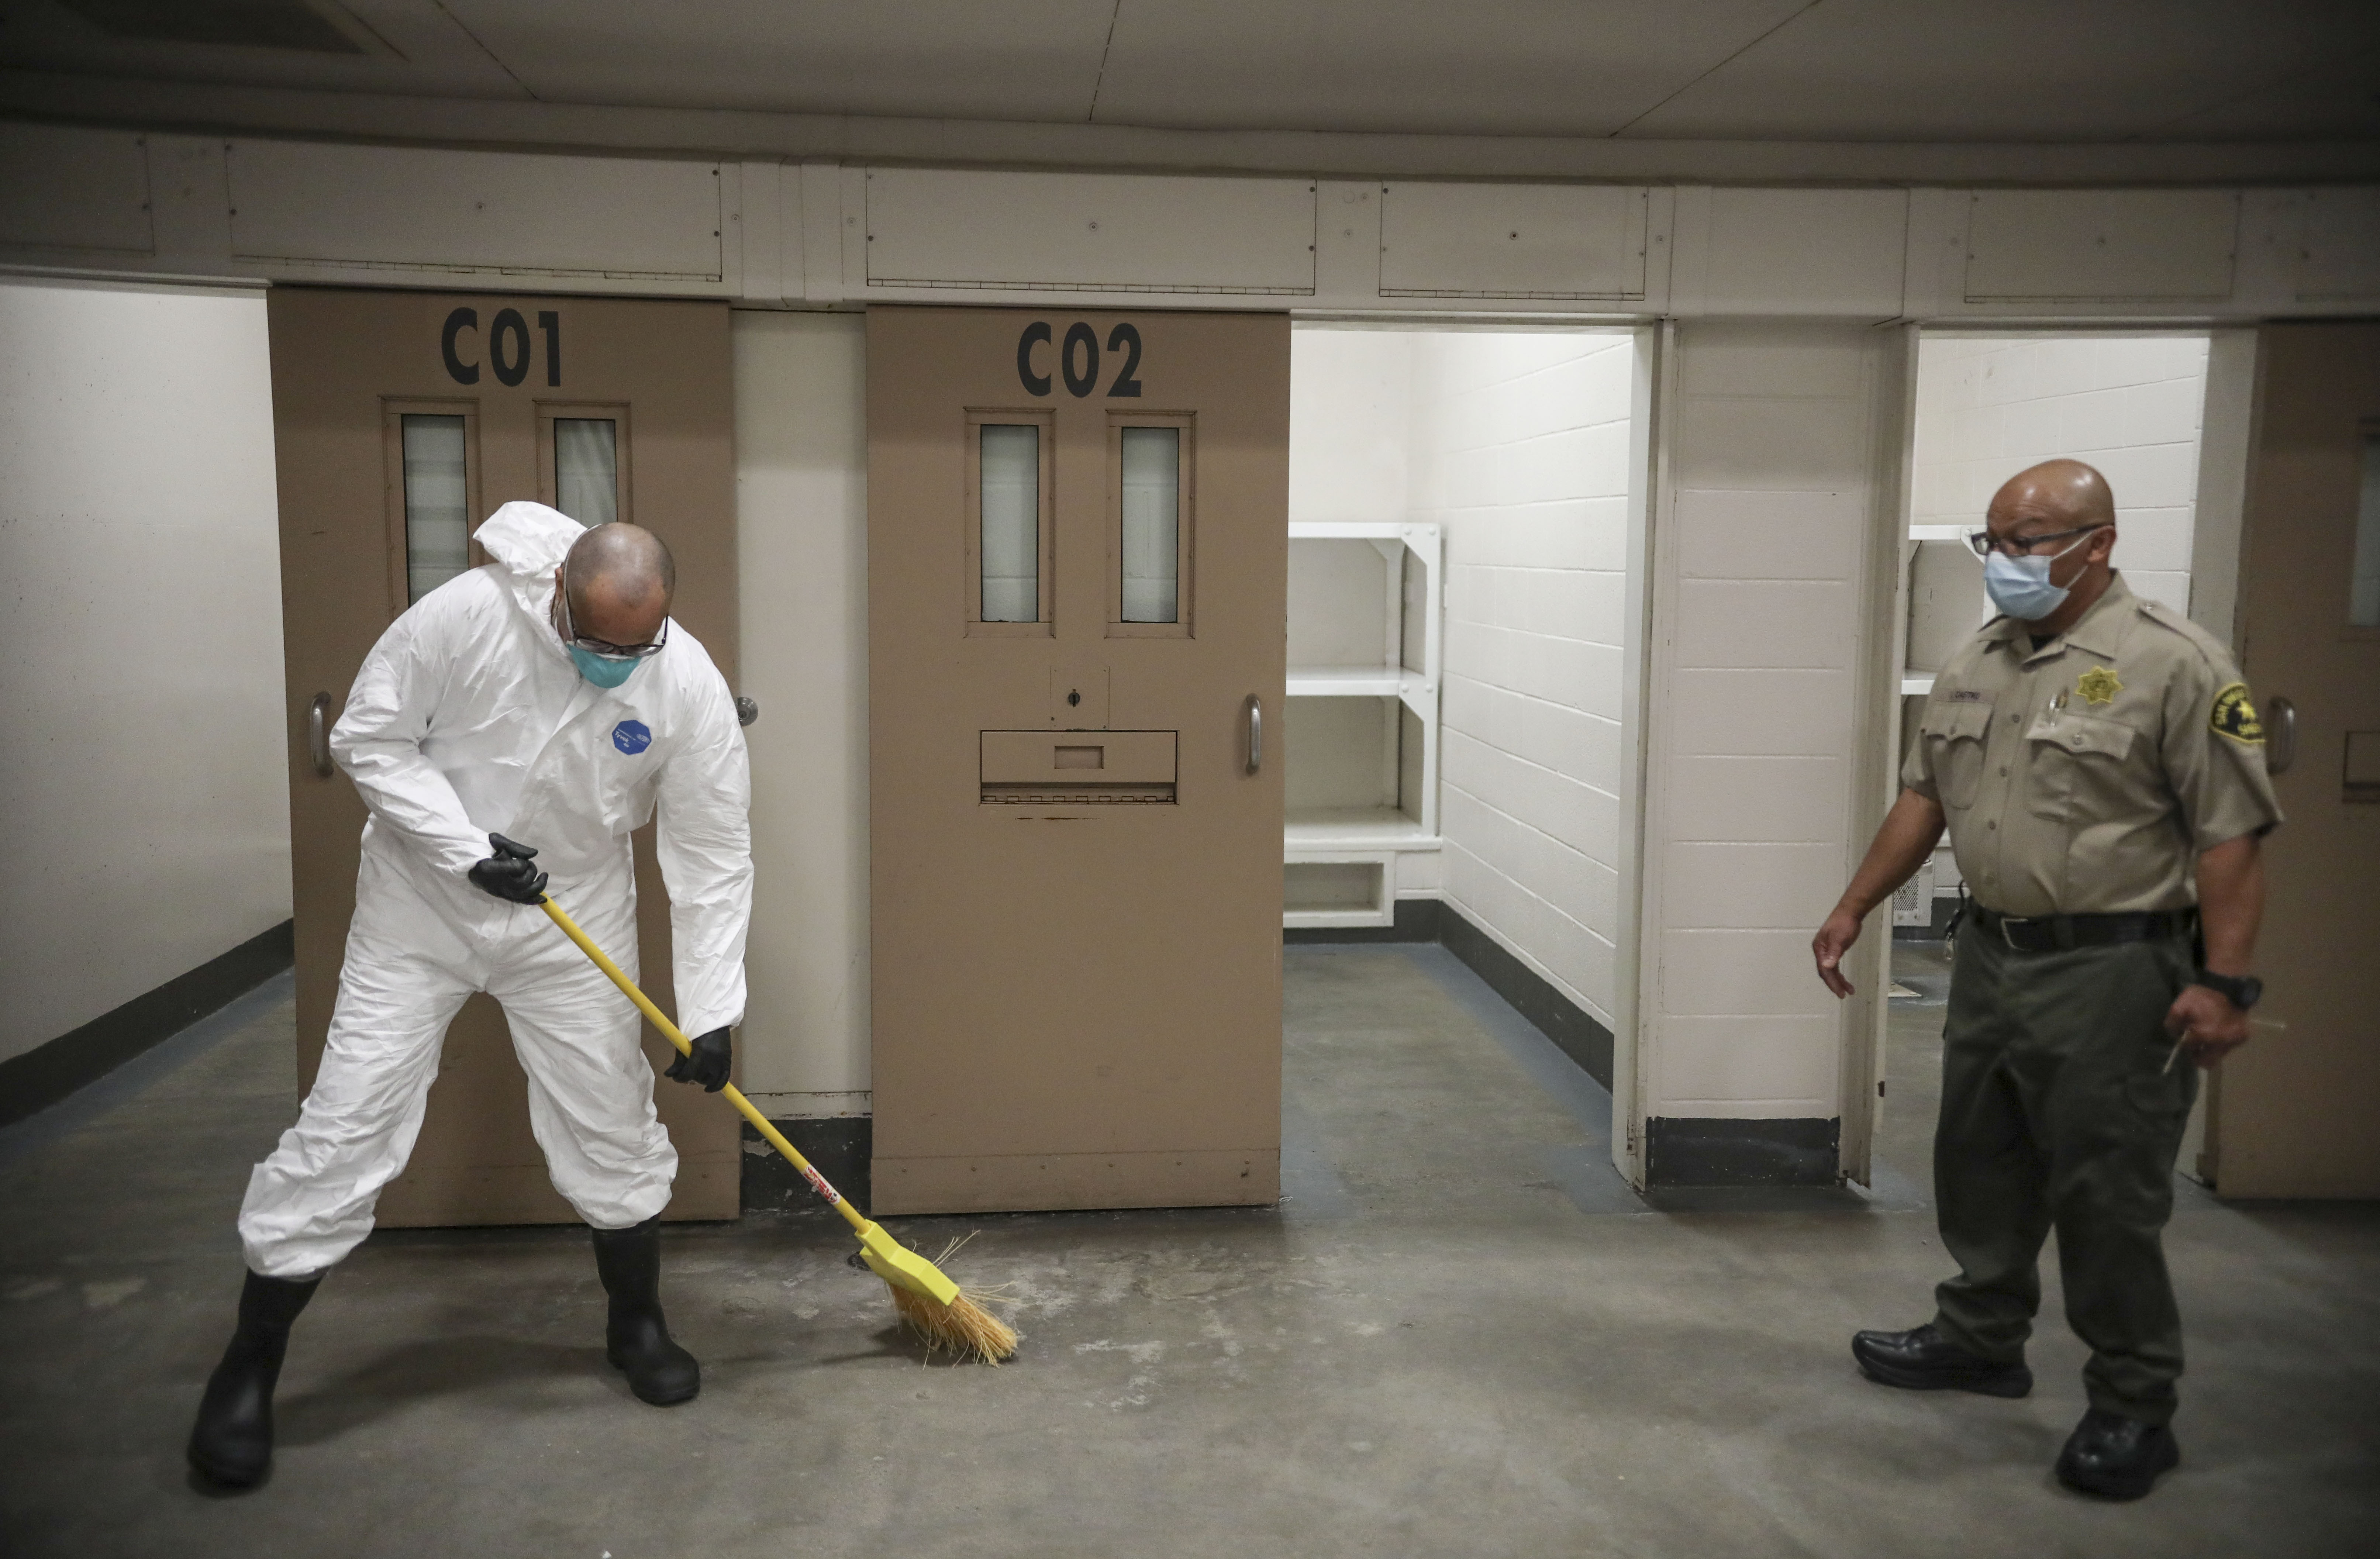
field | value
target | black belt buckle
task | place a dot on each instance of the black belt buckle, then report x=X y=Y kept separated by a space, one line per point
x=2058 y=933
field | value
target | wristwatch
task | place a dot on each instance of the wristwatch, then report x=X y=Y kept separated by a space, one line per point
x=2242 y=993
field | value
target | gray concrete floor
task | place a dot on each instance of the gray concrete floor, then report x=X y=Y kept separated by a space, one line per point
x=1459 y=1335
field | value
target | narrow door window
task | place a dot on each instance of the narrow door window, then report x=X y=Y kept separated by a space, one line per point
x=586 y=468
x=1010 y=501
x=437 y=521
x=2363 y=588
x=1151 y=519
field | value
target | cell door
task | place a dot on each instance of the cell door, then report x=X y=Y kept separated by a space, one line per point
x=1077 y=570
x=2291 y=1114
x=401 y=420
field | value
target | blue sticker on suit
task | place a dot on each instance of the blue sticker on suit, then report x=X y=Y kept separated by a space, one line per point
x=632 y=737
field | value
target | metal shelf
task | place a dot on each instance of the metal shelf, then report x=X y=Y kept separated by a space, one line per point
x=1374 y=838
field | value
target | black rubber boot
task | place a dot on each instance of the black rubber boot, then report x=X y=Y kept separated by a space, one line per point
x=636 y=1339
x=232 y=1442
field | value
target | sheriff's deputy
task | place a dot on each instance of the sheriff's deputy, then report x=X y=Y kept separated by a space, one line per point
x=2101 y=770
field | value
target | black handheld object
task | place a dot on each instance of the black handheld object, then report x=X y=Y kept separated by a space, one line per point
x=707 y=1063
x=510 y=874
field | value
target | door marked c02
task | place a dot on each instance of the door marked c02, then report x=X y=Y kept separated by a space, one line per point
x=1077 y=359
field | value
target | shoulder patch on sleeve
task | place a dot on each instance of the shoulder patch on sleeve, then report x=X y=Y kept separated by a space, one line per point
x=2235 y=717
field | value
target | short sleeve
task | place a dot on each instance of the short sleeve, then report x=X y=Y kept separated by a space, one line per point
x=2214 y=752
x=1917 y=770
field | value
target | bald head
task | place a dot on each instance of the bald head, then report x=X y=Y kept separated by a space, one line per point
x=2067 y=493
x=620 y=580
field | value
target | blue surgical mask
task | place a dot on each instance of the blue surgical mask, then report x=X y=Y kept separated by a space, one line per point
x=2020 y=585
x=604 y=671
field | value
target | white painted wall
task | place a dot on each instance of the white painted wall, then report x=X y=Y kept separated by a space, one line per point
x=1520 y=450
x=146 y=829
x=1516 y=442
x=2131 y=405
x=801 y=457
x=1752 y=823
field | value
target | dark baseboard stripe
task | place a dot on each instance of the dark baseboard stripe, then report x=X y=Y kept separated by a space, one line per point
x=48 y=1073
x=1679 y=1152
x=1566 y=1023
x=1682 y=1152
x=1528 y=992
x=838 y=1149
x=1416 y=921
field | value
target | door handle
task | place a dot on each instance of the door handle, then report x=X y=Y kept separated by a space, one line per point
x=747 y=709
x=318 y=734
x=2283 y=750
x=1255 y=733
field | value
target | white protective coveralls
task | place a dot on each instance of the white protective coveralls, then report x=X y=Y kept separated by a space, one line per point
x=468 y=718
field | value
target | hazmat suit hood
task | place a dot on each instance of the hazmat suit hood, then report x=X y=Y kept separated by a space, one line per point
x=529 y=541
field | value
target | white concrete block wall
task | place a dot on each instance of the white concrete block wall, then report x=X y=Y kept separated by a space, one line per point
x=2130 y=404
x=1519 y=449
x=1350 y=420
x=146 y=765
x=1754 y=701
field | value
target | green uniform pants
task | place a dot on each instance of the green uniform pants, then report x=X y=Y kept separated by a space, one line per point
x=2056 y=1113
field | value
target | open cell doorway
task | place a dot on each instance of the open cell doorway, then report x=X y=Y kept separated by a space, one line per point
x=1460 y=512
x=2161 y=414
x=1987 y=406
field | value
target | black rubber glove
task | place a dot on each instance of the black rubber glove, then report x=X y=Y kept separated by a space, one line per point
x=706 y=1064
x=509 y=873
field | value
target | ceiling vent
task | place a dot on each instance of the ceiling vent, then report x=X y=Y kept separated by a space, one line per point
x=246 y=24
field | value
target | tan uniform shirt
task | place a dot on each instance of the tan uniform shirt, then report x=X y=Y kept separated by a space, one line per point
x=2088 y=776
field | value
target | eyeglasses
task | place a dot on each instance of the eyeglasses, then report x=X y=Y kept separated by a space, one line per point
x=604 y=647
x=1985 y=543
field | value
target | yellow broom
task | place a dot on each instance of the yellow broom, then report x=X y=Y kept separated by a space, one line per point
x=925 y=1298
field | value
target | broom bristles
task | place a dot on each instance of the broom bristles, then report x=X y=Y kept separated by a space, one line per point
x=963 y=1327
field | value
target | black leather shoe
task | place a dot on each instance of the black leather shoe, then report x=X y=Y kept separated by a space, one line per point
x=232 y=1442
x=636 y=1339
x=2116 y=1457
x=1921 y=1360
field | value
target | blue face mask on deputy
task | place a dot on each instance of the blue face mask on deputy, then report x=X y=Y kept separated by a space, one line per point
x=2020 y=587
x=604 y=671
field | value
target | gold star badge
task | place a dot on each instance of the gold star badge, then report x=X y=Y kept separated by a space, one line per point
x=2098 y=685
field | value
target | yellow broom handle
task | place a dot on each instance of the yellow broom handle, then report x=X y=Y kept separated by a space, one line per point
x=670 y=1032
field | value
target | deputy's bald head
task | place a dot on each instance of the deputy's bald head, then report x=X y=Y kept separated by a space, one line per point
x=620 y=579
x=2053 y=496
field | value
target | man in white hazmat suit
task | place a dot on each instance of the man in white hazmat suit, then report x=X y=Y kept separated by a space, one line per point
x=547 y=696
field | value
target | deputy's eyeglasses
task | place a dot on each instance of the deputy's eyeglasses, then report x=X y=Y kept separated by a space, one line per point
x=1985 y=543
x=604 y=647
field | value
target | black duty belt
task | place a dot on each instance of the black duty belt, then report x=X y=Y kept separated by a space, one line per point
x=2061 y=933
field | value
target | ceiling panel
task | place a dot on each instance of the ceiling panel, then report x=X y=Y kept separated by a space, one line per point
x=1516 y=68
x=978 y=59
x=409 y=46
x=1753 y=70
x=2020 y=70
x=2338 y=98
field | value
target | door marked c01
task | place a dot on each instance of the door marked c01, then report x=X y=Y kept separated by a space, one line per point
x=509 y=350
